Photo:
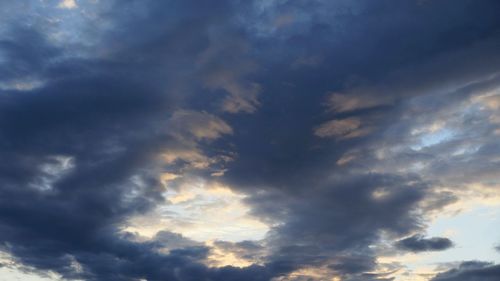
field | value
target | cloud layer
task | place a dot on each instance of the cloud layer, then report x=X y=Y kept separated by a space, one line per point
x=343 y=127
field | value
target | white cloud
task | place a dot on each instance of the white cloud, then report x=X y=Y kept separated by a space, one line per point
x=67 y=4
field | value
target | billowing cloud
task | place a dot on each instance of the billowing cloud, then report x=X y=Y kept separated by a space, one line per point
x=249 y=140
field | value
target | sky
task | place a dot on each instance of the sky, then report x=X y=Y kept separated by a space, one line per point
x=250 y=140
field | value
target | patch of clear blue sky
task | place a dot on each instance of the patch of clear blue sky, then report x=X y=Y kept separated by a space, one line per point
x=475 y=233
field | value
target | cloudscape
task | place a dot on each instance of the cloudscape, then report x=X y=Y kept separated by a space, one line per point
x=250 y=140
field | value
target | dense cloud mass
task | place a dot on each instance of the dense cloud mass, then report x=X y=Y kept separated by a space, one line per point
x=345 y=127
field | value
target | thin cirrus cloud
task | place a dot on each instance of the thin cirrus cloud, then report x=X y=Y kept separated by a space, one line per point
x=249 y=140
x=343 y=128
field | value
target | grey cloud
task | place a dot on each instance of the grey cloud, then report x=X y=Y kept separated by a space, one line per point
x=342 y=128
x=315 y=231
x=171 y=241
x=230 y=73
x=471 y=271
x=106 y=116
x=145 y=79
x=247 y=250
x=417 y=243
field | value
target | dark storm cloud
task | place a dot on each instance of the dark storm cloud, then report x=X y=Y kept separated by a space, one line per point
x=418 y=243
x=338 y=29
x=82 y=125
x=79 y=150
x=25 y=53
x=316 y=230
x=471 y=271
x=294 y=176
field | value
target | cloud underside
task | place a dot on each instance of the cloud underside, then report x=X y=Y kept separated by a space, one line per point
x=340 y=129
